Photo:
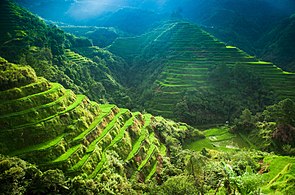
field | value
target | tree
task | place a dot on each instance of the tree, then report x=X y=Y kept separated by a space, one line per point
x=177 y=185
x=282 y=112
x=245 y=123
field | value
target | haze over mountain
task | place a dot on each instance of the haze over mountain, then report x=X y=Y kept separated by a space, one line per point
x=236 y=22
x=197 y=10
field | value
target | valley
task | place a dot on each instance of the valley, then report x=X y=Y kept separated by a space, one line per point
x=161 y=108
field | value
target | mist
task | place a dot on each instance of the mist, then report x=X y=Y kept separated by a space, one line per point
x=84 y=11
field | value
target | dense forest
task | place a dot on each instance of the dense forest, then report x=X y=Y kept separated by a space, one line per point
x=147 y=97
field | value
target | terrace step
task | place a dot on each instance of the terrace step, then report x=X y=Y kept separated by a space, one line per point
x=150 y=155
x=38 y=113
x=107 y=110
x=144 y=133
x=30 y=89
x=36 y=131
x=26 y=102
x=96 y=146
x=115 y=141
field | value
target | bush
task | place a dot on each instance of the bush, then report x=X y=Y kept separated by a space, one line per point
x=177 y=185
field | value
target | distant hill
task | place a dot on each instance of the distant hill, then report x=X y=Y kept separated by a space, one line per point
x=131 y=20
x=26 y=39
x=240 y=23
x=100 y=36
x=278 y=45
x=186 y=74
x=44 y=8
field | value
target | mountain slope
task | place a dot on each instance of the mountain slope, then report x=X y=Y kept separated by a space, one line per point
x=100 y=36
x=179 y=61
x=46 y=124
x=278 y=44
x=26 y=39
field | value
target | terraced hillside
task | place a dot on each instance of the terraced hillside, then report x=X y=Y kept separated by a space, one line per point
x=180 y=56
x=46 y=124
x=26 y=39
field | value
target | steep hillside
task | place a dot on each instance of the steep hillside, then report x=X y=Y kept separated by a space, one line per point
x=240 y=23
x=100 y=36
x=46 y=124
x=188 y=67
x=278 y=44
x=26 y=39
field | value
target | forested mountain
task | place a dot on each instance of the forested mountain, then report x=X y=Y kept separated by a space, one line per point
x=244 y=24
x=58 y=56
x=83 y=113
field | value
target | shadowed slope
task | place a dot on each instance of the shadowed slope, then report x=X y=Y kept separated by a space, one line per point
x=178 y=57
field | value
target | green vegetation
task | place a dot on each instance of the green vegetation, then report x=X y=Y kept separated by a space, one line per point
x=211 y=82
x=42 y=146
x=78 y=136
x=281 y=174
x=106 y=110
x=100 y=36
x=273 y=173
x=270 y=130
x=67 y=155
x=218 y=139
x=56 y=55
x=143 y=136
x=276 y=45
x=177 y=70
